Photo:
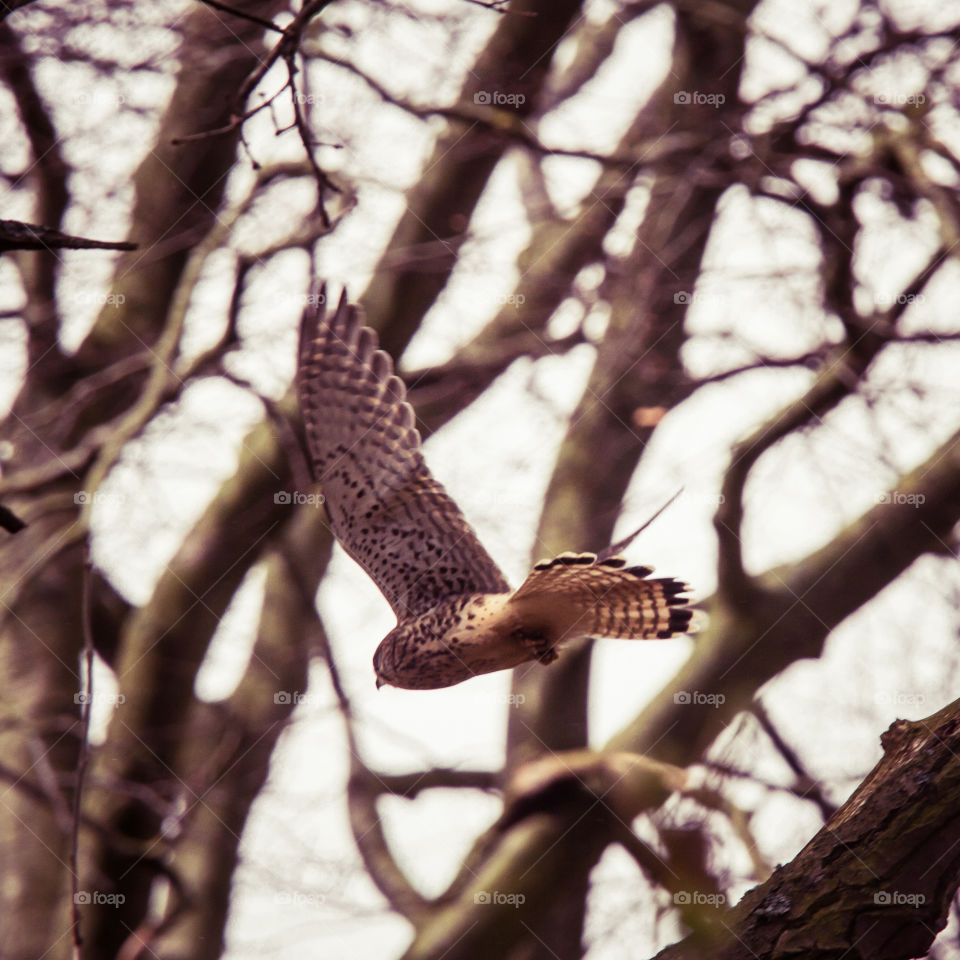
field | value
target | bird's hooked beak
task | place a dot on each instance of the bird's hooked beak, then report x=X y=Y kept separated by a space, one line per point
x=379 y=683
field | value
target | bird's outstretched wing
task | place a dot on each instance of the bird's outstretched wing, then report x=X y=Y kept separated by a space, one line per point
x=385 y=508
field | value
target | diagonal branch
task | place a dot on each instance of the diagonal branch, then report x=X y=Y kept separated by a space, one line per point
x=793 y=610
x=834 y=382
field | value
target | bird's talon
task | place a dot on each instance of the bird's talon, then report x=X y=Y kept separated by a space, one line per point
x=540 y=646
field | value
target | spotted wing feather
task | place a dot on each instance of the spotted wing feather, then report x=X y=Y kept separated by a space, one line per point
x=385 y=508
x=576 y=595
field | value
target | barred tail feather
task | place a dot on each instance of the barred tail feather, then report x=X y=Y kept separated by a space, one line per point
x=582 y=596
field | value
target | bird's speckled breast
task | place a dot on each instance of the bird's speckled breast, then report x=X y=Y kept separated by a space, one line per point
x=451 y=642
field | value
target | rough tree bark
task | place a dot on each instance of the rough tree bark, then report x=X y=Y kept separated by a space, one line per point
x=877 y=882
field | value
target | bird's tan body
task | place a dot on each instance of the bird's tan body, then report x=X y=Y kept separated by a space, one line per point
x=564 y=599
x=452 y=642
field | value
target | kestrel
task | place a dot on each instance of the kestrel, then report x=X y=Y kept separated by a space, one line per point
x=456 y=614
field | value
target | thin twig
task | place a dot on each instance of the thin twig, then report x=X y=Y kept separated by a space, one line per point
x=291 y=47
x=615 y=548
x=808 y=360
x=409 y=785
x=83 y=754
x=286 y=49
x=233 y=11
x=499 y=6
x=235 y=121
x=811 y=790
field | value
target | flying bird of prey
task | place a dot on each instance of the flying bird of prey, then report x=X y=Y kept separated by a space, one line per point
x=457 y=616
